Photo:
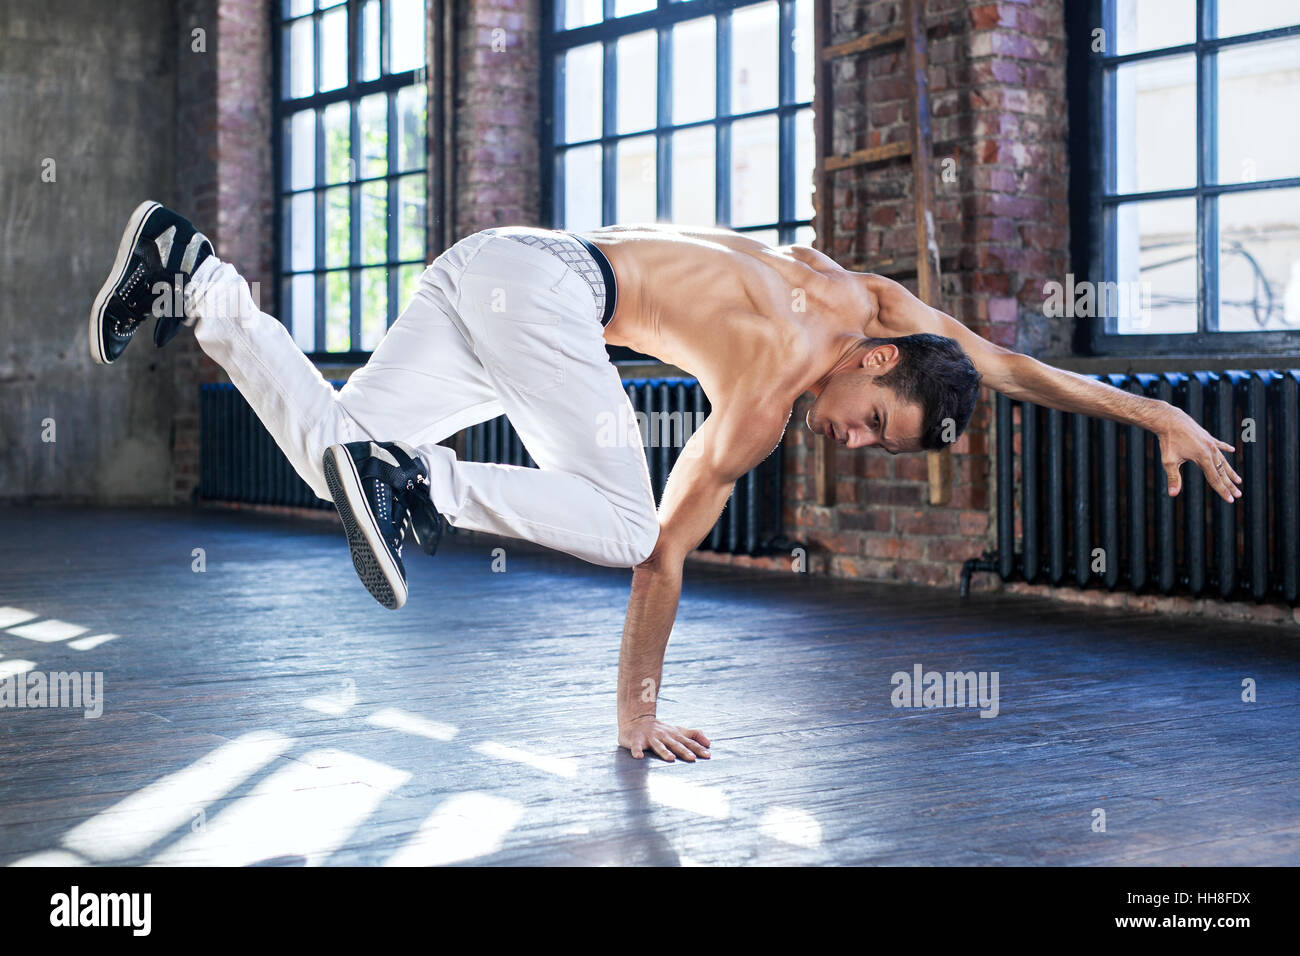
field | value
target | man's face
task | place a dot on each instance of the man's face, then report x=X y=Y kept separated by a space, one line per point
x=857 y=411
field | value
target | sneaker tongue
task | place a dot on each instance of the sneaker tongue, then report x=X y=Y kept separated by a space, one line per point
x=427 y=526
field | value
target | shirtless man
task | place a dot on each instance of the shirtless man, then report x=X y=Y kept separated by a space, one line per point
x=516 y=321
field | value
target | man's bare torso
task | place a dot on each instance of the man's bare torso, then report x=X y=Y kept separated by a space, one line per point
x=731 y=310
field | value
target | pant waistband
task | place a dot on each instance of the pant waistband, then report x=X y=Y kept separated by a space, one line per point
x=607 y=273
x=579 y=254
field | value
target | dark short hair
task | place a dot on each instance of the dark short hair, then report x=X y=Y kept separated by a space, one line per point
x=935 y=373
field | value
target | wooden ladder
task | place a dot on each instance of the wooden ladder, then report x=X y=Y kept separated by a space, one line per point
x=911 y=34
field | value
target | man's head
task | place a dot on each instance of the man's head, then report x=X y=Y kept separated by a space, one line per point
x=911 y=393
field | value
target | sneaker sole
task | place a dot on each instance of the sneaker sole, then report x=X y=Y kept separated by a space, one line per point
x=130 y=237
x=370 y=557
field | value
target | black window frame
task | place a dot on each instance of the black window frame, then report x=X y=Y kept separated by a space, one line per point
x=283 y=107
x=1092 y=205
x=555 y=40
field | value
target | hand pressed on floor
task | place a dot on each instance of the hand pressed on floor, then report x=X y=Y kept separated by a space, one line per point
x=666 y=740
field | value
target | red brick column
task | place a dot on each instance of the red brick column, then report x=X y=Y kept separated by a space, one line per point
x=223 y=175
x=997 y=79
x=498 y=172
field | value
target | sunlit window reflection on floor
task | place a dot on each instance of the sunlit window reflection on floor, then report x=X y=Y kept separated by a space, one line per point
x=791 y=825
x=50 y=858
x=89 y=643
x=138 y=822
x=408 y=723
x=47 y=632
x=684 y=795
x=12 y=666
x=307 y=810
x=467 y=826
x=335 y=705
x=552 y=765
x=9 y=616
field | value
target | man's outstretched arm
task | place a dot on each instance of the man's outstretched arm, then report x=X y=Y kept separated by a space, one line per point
x=727 y=445
x=1024 y=378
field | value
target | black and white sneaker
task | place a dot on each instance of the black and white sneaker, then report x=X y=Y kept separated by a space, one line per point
x=381 y=491
x=158 y=245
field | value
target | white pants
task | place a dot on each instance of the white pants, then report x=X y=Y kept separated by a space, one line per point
x=495 y=326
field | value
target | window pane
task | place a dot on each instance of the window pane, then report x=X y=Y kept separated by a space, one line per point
x=1155 y=120
x=372 y=120
x=581 y=13
x=302 y=231
x=582 y=185
x=753 y=171
x=374 y=221
x=582 y=92
x=293 y=8
x=1155 y=269
x=1152 y=24
x=338 y=311
x=1259 y=111
x=338 y=238
x=625 y=8
x=369 y=65
x=635 y=199
x=694 y=176
x=298 y=54
x=694 y=70
x=405 y=35
x=411 y=119
x=337 y=122
x=408 y=280
x=302 y=305
x=374 y=307
x=1236 y=18
x=805 y=162
x=804 y=63
x=805 y=235
x=334 y=49
x=637 y=57
x=1259 y=260
x=411 y=234
x=766 y=236
x=300 y=150
x=753 y=58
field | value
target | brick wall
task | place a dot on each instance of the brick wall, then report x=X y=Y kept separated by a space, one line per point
x=223 y=176
x=498 y=82
x=997 y=79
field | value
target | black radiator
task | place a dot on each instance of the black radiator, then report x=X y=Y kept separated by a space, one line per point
x=239 y=461
x=672 y=408
x=1082 y=502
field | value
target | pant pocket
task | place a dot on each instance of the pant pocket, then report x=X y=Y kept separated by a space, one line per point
x=527 y=356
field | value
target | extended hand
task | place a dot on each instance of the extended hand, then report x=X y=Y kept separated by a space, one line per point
x=1181 y=439
x=647 y=733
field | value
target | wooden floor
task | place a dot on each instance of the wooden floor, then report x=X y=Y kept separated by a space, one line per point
x=266 y=710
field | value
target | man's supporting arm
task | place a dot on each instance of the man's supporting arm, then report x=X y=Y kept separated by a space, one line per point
x=1024 y=378
x=727 y=445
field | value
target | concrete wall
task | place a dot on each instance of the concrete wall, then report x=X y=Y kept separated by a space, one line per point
x=90 y=86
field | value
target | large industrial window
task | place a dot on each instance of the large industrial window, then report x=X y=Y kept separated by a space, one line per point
x=351 y=161
x=1197 y=198
x=689 y=111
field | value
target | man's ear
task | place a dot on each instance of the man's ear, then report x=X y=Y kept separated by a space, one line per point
x=881 y=359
